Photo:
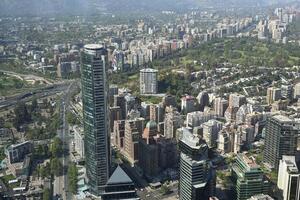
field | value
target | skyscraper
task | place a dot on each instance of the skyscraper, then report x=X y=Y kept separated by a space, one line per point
x=281 y=139
x=95 y=116
x=288 y=178
x=196 y=174
x=148 y=81
x=249 y=178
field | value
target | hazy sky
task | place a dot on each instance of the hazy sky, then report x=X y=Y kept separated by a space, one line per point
x=44 y=7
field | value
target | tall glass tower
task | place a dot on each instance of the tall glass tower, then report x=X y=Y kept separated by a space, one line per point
x=95 y=116
x=197 y=178
x=281 y=139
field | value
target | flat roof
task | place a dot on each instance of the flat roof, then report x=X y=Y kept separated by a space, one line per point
x=93 y=46
x=148 y=70
x=282 y=118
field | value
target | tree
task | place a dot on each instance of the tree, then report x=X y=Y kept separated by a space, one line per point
x=164 y=189
x=56 y=147
x=56 y=167
x=34 y=105
x=72 y=119
x=21 y=115
x=47 y=194
x=44 y=171
x=72 y=178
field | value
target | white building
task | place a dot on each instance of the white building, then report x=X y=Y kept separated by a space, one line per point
x=261 y=197
x=297 y=91
x=197 y=118
x=288 y=178
x=148 y=81
x=210 y=132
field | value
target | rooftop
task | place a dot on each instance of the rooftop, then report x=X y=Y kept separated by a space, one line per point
x=93 y=46
x=282 y=118
x=250 y=161
x=118 y=177
x=191 y=140
x=149 y=70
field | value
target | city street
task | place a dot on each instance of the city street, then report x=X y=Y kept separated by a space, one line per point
x=60 y=184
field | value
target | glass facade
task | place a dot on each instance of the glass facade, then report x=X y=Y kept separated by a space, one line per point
x=95 y=116
x=249 y=178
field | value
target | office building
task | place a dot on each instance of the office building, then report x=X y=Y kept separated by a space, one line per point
x=148 y=81
x=280 y=139
x=95 y=116
x=248 y=177
x=273 y=94
x=120 y=186
x=288 y=178
x=196 y=175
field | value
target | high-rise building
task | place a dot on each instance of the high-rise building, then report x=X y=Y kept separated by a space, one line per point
x=280 y=139
x=297 y=91
x=224 y=143
x=188 y=104
x=288 y=178
x=119 y=133
x=169 y=100
x=115 y=113
x=210 y=132
x=148 y=81
x=172 y=122
x=131 y=142
x=237 y=100
x=203 y=100
x=242 y=112
x=220 y=106
x=95 y=116
x=287 y=91
x=249 y=178
x=196 y=175
x=156 y=153
x=197 y=118
x=273 y=94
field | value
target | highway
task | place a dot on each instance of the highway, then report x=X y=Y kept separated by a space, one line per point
x=37 y=93
x=61 y=183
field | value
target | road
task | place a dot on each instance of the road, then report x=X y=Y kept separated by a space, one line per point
x=61 y=182
x=37 y=93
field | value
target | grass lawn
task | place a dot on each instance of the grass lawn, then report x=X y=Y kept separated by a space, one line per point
x=8 y=178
